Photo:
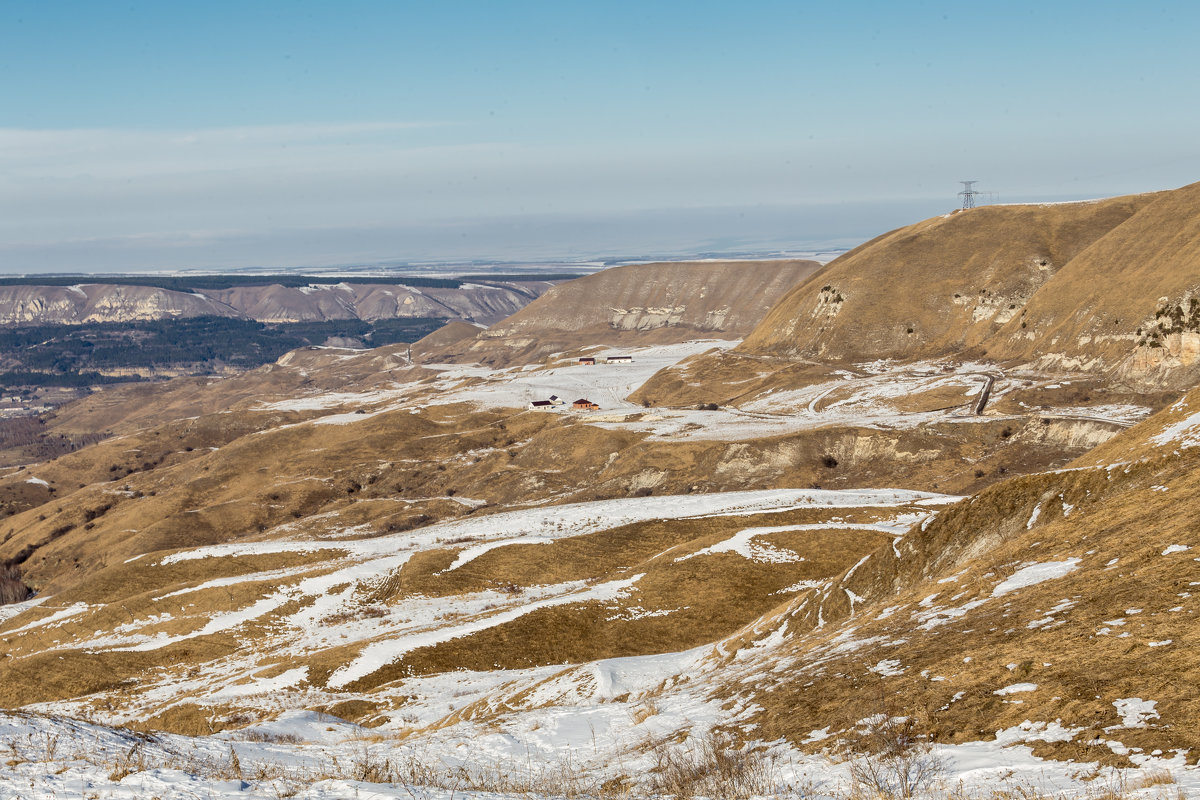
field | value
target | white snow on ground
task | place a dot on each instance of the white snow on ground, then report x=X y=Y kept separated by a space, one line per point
x=1176 y=548
x=867 y=398
x=379 y=654
x=554 y=522
x=933 y=616
x=1121 y=413
x=56 y=759
x=257 y=685
x=742 y=543
x=59 y=616
x=1185 y=433
x=37 y=481
x=313 y=607
x=607 y=385
x=1035 y=574
x=1037 y=510
x=326 y=400
x=1135 y=712
x=1016 y=688
x=11 y=610
x=1029 y=731
x=888 y=668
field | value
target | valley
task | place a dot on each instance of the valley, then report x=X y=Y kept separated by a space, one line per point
x=811 y=540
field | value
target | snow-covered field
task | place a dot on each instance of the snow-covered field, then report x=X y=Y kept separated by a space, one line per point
x=871 y=396
x=302 y=610
x=547 y=731
x=316 y=757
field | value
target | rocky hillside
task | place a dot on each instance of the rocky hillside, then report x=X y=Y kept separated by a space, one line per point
x=100 y=302
x=1103 y=285
x=641 y=303
x=385 y=555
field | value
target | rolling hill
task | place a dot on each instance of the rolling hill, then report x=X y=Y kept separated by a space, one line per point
x=833 y=553
x=1102 y=286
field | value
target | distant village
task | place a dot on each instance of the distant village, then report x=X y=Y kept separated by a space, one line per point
x=554 y=402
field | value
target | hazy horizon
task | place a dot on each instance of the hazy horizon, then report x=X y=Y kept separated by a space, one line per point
x=221 y=136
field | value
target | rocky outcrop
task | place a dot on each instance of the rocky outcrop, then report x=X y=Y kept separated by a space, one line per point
x=98 y=302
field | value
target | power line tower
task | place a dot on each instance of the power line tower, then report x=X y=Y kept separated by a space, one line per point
x=968 y=194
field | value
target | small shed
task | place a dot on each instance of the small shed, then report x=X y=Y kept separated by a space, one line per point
x=588 y=360
x=619 y=360
x=583 y=404
x=555 y=400
x=541 y=405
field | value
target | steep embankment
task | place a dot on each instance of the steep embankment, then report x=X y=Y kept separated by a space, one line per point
x=1128 y=300
x=642 y=303
x=100 y=302
x=1101 y=286
x=1058 y=605
x=935 y=287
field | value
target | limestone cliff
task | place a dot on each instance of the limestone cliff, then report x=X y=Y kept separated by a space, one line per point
x=100 y=302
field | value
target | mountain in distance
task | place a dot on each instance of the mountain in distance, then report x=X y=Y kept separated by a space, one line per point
x=320 y=301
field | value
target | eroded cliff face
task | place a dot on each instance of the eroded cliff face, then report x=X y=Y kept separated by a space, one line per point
x=98 y=302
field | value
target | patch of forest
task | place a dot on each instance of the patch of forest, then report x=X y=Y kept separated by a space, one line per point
x=79 y=355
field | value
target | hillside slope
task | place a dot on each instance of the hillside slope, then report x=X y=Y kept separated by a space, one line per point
x=1102 y=285
x=641 y=303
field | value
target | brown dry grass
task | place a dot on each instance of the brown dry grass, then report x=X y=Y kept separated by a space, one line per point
x=708 y=597
x=1079 y=660
x=910 y=279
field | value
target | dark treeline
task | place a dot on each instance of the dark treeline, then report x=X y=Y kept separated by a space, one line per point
x=75 y=355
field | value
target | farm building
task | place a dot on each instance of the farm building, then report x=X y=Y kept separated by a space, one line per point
x=584 y=405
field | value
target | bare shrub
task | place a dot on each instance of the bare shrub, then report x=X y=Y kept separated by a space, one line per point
x=895 y=761
x=712 y=766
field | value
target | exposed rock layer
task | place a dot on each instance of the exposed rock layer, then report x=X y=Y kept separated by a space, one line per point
x=100 y=302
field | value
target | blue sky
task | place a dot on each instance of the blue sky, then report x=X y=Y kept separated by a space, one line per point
x=213 y=135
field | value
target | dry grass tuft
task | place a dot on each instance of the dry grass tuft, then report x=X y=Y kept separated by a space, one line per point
x=711 y=766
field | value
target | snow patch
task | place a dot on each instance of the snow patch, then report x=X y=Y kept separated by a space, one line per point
x=1035 y=574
